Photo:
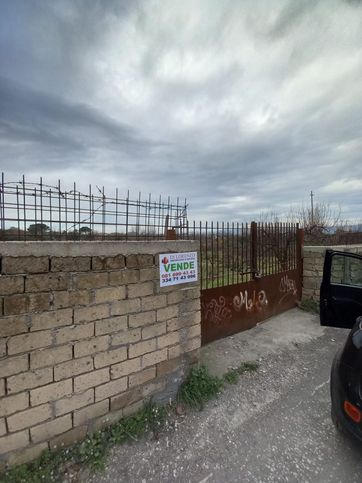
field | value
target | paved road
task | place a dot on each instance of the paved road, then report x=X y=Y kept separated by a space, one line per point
x=273 y=426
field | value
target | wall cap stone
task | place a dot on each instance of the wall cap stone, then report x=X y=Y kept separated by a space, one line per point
x=93 y=248
x=322 y=249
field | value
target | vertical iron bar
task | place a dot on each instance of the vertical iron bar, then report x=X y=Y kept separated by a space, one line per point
x=50 y=214
x=254 y=241
x=41 y=210
x=127 y=214
x=79 y=220
x=116 y=213
x=90 y=211
x=66 y=214
x=59 y=212
x=103 y=214
x=74 y=212
x=35 y=209
x=212 y=254
x=24 y=207
x=206 y=259
x=223 y=253
x=201 y=260
x=18 y=210
x=237 y=252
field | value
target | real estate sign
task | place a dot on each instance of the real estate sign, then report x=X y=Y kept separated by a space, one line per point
x=178 y=268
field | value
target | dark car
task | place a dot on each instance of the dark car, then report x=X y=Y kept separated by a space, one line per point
x=341 y=306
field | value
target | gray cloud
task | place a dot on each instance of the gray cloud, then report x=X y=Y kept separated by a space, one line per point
x=239 y=106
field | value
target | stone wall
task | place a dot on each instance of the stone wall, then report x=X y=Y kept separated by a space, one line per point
x=87 y=336
x=313 y=259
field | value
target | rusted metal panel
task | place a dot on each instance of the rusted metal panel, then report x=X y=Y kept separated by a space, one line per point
x=233 y=308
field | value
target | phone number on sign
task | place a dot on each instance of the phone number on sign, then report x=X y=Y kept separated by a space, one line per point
x=175 y=276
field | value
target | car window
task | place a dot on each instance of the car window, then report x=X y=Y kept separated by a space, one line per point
x=346 y=270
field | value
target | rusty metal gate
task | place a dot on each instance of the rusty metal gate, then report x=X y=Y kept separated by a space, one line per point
x=248 y=273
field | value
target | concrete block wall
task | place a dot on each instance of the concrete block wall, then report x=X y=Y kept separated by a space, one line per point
x=313 y=260
x=87 y=336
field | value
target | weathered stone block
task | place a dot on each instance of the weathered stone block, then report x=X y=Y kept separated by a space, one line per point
x=142 y=377
x=154 y=330
x=110 y=389
x=51 y=392
x=125 y=307
x=75 y=401
x=189 y=306
x=13 y=404
x=90 y=280
x=45 y=282
x=126 y=337
x=110 y=357
x=29 y=379
x=11 y=284
x=3 y=429
x=153 y=302
x=142 y=319
x=167 y=340
x=71 y=298
x=148 y=274
x=13 y=325
x=125 y=368
x=108 y=263
x=73 y=368
x=94 y=312
x=29 y=417
x=46 y=431
x=154 y=358
x=140 y=348
x=74 y=333
x=13 y=365
x=91 y=379
x=140 y=289
x=193 y=331
x=92 y=346
x=167 y=313
x=29 y=342
x=15 y=441
x=69 y=438
x=25 y=264
x=192 y=344
x=124 y=277
x=50 y=320
x=113 y=324
x=70 y=264
x=50 y=357
x=126 y=399
x=83 y=416
x=139 y=261
x=25 y=455
x=109 y=294
x=20 y=304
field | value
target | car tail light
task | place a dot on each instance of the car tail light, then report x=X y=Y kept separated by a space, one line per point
x=353 y=412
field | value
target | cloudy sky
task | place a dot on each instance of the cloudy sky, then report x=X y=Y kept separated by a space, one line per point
x=239 y=106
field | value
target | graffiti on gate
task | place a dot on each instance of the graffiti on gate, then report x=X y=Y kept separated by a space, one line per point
x=216 y=311
x=288 y=285
x=257 y=302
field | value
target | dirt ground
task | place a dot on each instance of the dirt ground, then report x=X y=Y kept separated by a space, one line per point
x=272 y=426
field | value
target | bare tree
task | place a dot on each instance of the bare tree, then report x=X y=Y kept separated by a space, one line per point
x=320 y=220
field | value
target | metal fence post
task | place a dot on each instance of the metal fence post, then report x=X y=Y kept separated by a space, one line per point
x=300 y=242
x=254 y=249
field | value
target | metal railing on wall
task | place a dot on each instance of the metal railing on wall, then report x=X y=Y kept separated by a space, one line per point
x=37 y=211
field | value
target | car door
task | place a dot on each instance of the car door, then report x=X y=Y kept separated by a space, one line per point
x=341 y=289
